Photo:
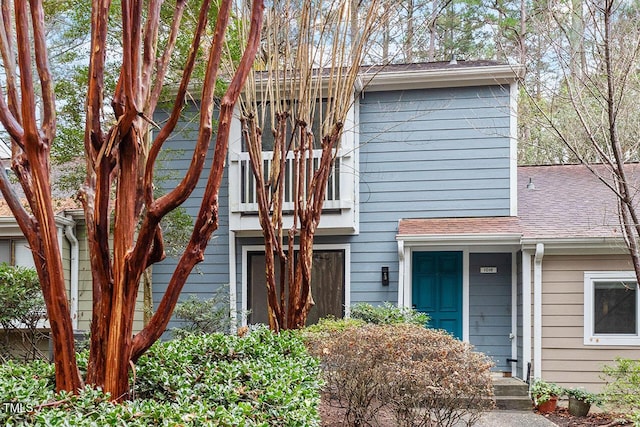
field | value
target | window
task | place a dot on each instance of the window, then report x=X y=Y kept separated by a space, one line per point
x=611 y=314
x=267 y=133
x=16 y=252
x=327 y=285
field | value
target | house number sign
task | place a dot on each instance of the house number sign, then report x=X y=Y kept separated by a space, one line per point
x=488 y=270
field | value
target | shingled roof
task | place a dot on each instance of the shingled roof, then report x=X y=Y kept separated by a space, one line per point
x=562 y=202
x=62 y=200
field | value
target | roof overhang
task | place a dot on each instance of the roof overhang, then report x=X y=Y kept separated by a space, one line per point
x=9 y=226
x=385 y=78
x=577 y=245
x=474 y=239
x=553 y=245
x=443 y=77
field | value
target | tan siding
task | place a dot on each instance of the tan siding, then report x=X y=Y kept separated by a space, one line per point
x=564 y=320
x=561 y=331
x=19 y=349
x=560 y=310
x=139 y=314
x=84 y=280
x=563 y=299
x=592 y=353
x=565 y=358
x=85 y=287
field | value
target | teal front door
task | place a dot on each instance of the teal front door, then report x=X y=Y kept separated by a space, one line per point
x=437 y=289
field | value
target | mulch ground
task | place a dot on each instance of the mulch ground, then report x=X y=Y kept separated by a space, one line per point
x=562 y=418
x=333 y=416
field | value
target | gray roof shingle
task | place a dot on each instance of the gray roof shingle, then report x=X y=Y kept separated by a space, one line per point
x=567 y=201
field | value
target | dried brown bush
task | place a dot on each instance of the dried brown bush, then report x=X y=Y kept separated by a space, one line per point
x=425 y=376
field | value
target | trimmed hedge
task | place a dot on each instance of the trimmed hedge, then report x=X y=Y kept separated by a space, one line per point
x=424 y=377
x=260 y=379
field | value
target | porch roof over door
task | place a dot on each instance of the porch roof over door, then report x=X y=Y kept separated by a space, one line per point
x=562 y=202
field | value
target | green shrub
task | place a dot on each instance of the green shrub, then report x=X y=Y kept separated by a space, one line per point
x=203 y=316
x=388 y=314
x=331 y=324
x=622 y=391
x=22 y=312
x=260 y=379
x=426 y=377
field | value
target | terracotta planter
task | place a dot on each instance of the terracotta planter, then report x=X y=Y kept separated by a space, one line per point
x=577 y=407
x=548 y=406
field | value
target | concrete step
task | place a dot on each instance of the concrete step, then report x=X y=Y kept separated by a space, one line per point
x=511 y=394
x=514 y=403
x=507 y=389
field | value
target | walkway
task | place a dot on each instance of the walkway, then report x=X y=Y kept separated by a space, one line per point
x=501 y=418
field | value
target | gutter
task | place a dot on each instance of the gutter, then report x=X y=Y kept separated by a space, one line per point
x=440 y=77
x=461 y=239
x=563 y=243
x=537 y=311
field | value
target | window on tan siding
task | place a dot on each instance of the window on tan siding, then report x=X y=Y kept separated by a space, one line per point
x=611 y=308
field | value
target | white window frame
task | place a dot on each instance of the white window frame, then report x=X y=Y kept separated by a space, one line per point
x=590 y=338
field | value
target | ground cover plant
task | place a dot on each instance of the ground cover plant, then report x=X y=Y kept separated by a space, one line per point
x=622 y=391
x=260 y=379
x=203 y=316
x=422 y=376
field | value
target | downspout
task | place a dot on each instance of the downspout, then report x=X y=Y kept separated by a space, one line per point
x=537 y=311
x=526 y=313
x=233 y=309
x=401 y=299
x=69 y=232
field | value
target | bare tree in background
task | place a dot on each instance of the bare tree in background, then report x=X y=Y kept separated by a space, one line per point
x=312 y=59
x=593 y=108
x=117 y=195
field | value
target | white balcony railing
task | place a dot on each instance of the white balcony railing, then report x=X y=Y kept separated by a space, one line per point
x=248 y=200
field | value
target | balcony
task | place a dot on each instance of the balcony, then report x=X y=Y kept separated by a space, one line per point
x=338 y=215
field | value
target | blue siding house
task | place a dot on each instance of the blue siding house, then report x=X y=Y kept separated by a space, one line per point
x=427 y=208
x=431 y=140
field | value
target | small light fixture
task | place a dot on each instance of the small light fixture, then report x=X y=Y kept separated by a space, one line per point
x=385 y=276
x=531 y=185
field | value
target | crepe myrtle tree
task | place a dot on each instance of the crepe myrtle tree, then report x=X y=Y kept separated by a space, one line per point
x=117 y=194
x=592 y=111
x=311 y=58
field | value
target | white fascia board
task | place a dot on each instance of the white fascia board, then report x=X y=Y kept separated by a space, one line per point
x=9 y=227
x=10 y=222
x=7 y=221
x=63 y=221
x=460 y=239
x=582 y=244
x=75 y=213
x=453 y=77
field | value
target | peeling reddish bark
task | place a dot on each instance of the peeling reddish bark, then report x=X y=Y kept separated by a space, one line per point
x=120 y=160
x=207 y=220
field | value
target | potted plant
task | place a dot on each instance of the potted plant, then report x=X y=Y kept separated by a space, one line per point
x=544 y=395
x=580 y=401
